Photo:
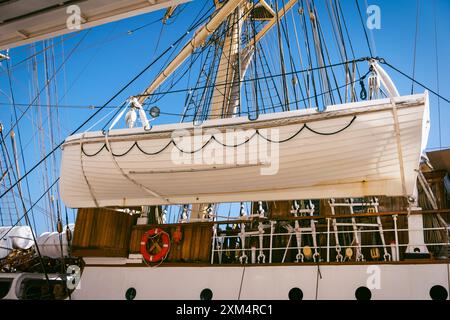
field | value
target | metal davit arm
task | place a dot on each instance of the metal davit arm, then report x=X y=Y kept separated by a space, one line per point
x=384 y=78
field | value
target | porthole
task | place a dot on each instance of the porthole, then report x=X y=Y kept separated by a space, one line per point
x=295 y=294
x=363 y=293
x=438 y=293
x=5 y=285
x=206 y=294
x=130 y=294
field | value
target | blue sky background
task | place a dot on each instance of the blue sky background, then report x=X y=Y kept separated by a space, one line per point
x=109 y=56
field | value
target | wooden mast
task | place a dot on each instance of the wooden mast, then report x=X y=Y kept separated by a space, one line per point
x=224 y=98
x=202 y=34
x=198 y=39
x=233 y=63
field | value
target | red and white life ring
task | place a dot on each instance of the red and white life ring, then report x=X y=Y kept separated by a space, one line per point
x=160 y=245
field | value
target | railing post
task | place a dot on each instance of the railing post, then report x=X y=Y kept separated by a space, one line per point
x=397 y=253
x=328 y=239
x=213 y=242
x=272 y=224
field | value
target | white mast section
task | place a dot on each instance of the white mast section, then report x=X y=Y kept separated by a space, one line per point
x=234 y=62
x=223 y=101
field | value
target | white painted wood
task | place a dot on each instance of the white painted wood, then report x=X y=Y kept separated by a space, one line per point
x=360 y=161
x=28 y=21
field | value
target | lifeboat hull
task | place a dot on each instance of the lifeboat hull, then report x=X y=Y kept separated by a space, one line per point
x=352 y=150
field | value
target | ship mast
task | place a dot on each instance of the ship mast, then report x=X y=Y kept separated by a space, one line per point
x=235 y=58
x=199 y=38
x=226 y=96
x=225 y=11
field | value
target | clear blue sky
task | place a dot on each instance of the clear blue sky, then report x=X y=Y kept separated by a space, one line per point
x=109 y=57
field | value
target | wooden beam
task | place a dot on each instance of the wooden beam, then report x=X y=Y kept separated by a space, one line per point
x=272 y=21
x=268 y=8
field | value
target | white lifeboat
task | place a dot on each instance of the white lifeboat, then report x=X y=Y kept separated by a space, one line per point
x=351 y=150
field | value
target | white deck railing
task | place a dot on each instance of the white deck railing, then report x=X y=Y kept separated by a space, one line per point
x=253 y=246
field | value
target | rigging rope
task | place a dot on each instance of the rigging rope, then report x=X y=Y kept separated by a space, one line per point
x=175 y=44
x=263 y=77
x=273 y=107
x=309 y=55
x=63 y=39
x=107 y=146
x=45 y=49
x=126 y=176
x=48 y=82
x=415 y=81
x=437 y=71
x=364 y=27
x=415 y=44
x=96 y=112
x=27 y=220
x=241 y=283
x=9 y=168
x=31 y=207
x=347 y=34
x=325 y=46
x=13 y=100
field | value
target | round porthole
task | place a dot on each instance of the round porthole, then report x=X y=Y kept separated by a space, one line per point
x=130 y=294
x=363 y=293
x=438 y=293
x=295 y=294
x=206 y=294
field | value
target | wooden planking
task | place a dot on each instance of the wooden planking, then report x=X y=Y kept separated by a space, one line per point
x=102 y=232
x=195 y=244
x=197 y=239
x=205 y=249
x=186 y=247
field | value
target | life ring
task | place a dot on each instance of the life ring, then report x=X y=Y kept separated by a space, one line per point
x=155 y=245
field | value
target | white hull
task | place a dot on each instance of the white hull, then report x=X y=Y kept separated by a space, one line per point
x=366 y=156
x=406 y=281
x=337 y=282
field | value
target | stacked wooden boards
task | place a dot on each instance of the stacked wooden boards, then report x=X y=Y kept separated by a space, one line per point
x=102 y=232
